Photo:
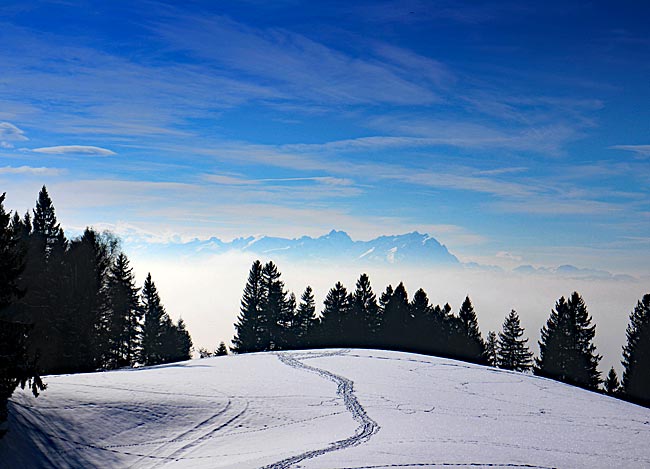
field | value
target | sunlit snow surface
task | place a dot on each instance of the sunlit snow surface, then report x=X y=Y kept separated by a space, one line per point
x=321 y=409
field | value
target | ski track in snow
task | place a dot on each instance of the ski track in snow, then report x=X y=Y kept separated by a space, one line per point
x=367 y=426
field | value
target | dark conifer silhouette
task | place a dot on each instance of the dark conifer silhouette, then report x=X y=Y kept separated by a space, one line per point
x=251 y=321
x=422 y=323
x=44 y=281
x=182 y=343
x=85 y=273
x=277 y=307
x=16 y=367
x=491 y=349
x=155 y=321
x=611 y=383
x=512 y=351
x=304 y=320
x=396 y=318
x=331 y=331
x=636 y=354
x=222 y=350
x=467 y=342
x=363 y=321
x=123 y=323
x=566 y=349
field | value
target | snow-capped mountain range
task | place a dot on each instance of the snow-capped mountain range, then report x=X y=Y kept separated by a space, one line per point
x=337 y=245
x=416 y=249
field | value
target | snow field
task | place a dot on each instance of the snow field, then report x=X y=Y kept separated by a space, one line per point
x=327 y=409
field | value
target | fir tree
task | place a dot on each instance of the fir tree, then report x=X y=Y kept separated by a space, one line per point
x=512 y=351
x=331 y=332
x=12 y=258
x=278 y=309
x=304 y=320
x=566 y=350
x=396 y=317
x=422 y=315
x=87 y=264
x=467 y=343
x=441 y=330
x=611 y=384
x=46 y=229
x=364 y=320
x=122 y=322
x=491 y=349
x=46 y=282
x=636 y=354
x=222 y=350
x=16 y=368
x=182 y=342
x=154 y=322
x=251 y=321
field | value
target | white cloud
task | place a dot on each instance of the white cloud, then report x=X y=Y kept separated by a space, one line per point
x=641 y=150
x=74 y=149
x=30 y=170
x=10 y=133
x=508 y=256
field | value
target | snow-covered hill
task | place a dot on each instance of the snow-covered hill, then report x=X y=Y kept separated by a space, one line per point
x=321 y=409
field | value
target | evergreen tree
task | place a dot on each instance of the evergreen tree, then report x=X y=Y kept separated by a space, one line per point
x=566 y=349
x=222 y=350
x=12 y=258
x=331 y=331
x=636 y=354
x=468 y=343
x=182 y=342
x=86 y=268
x=278 y=309
x=251 y=321
x=46 y=283
x=440 y=329
x=512 y=351
x=491 y=349
x=396 y=317
x=611 y=384
x=421 y=313
x=154 y=322
x=304 y=320
x=364 y=320
x=176 y=343
x=122 y=321
x=16 y=368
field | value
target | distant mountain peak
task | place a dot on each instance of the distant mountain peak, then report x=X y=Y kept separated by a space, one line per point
x=337 y=245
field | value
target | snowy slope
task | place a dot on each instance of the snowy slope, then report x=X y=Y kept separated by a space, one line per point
x=321 y=409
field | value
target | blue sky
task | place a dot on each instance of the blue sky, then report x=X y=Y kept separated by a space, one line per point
x=511 y=133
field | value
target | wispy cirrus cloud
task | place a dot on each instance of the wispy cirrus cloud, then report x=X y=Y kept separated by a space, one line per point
x=10 y=133
x=642 y=151
x=300 y=68
x=74 y=150
x=26 y=170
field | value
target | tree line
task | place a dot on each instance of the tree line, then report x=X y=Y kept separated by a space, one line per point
x=69 y=306
x=271 y=318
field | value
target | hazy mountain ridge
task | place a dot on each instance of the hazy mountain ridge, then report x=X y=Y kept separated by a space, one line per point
x=336 y=245
x=412 y=248
x=571 y=271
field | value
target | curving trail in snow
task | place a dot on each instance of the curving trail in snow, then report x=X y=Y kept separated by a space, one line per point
x=321 y=409
x=367 y=426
